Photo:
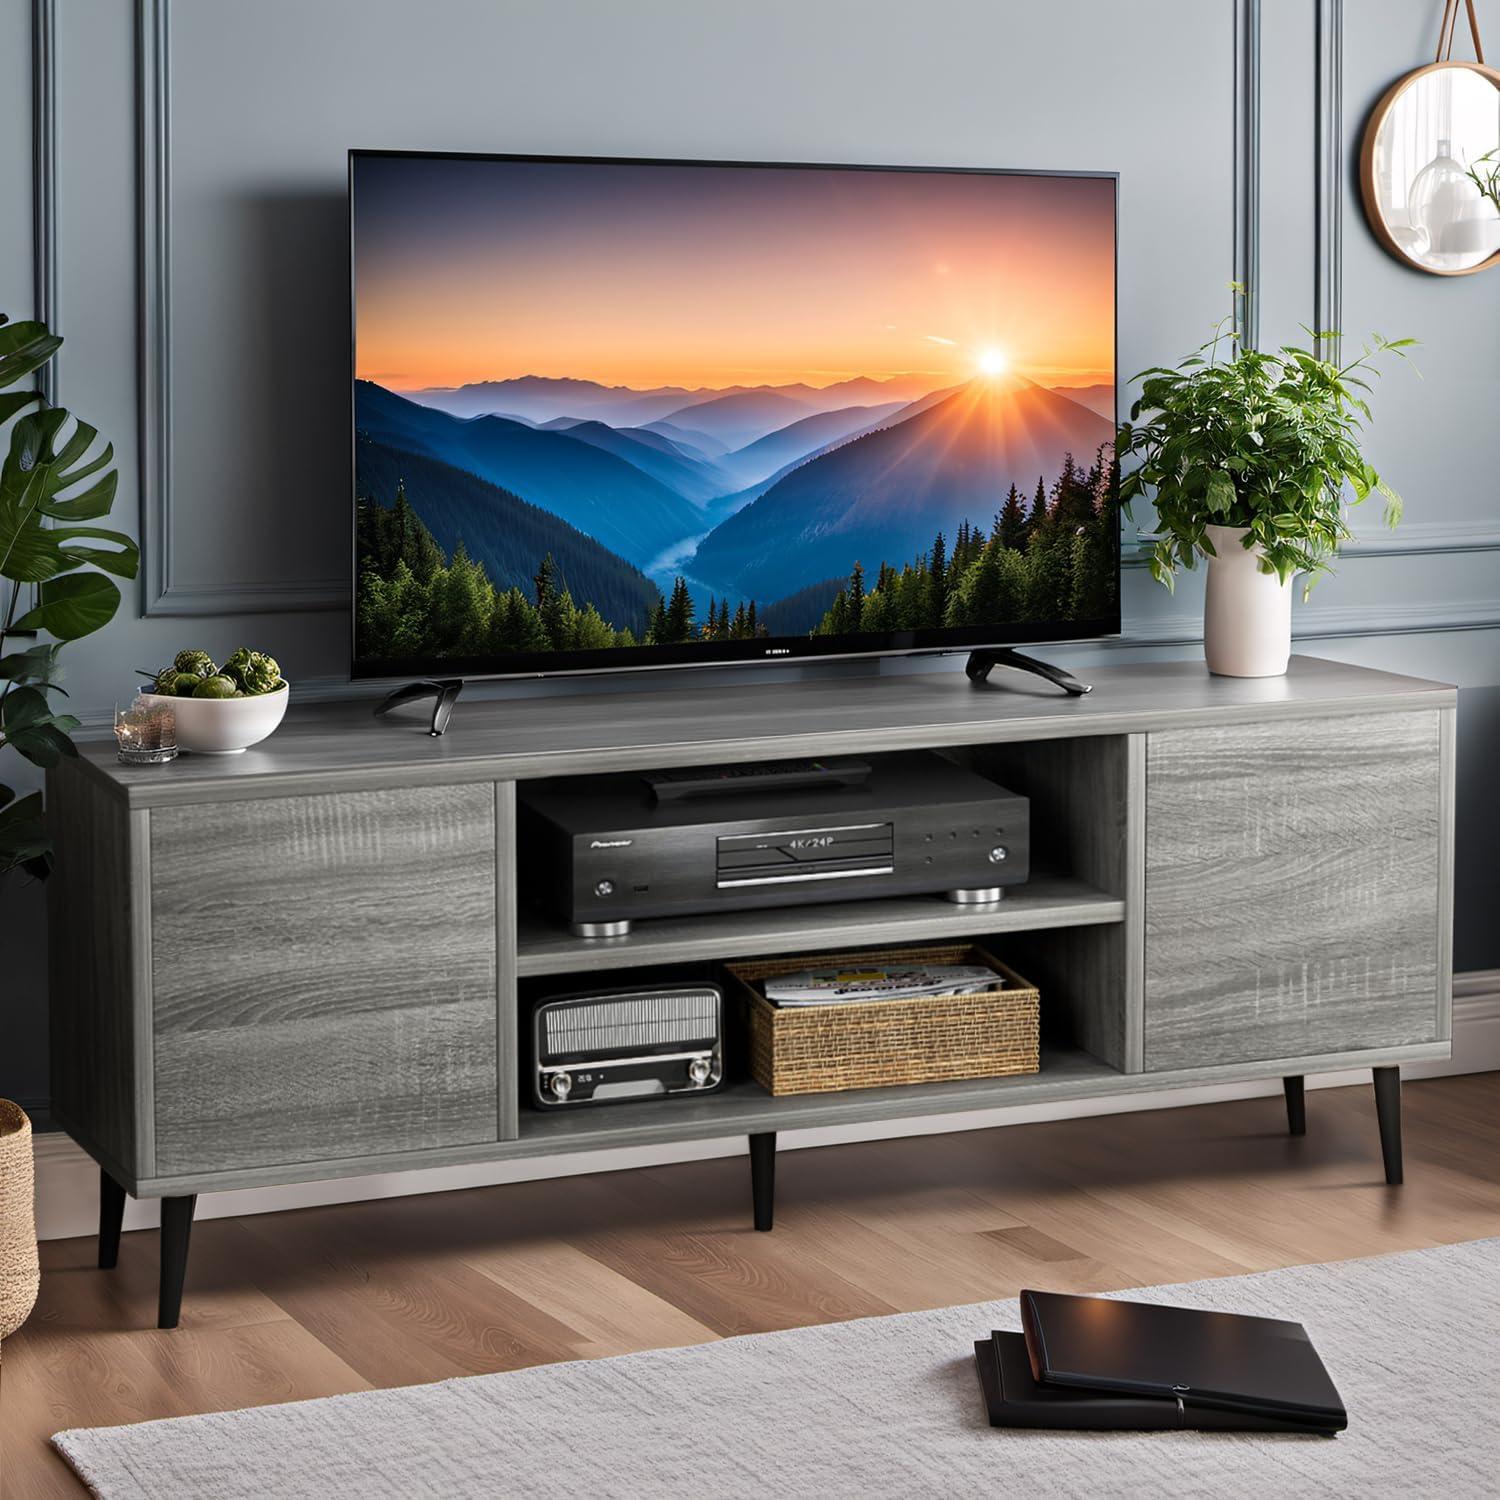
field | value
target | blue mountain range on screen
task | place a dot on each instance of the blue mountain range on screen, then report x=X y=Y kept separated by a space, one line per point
x=761 y=493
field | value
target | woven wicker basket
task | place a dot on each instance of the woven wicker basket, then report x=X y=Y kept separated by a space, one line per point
x=818 y=1049
x=18 y=1263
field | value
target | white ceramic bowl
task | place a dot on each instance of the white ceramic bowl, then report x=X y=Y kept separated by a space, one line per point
x=224 y=726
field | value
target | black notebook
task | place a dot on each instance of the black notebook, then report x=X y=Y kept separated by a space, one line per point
x=1012 y=1398
x=1207 y=1361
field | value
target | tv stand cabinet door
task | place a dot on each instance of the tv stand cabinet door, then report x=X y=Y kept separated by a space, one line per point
x=323 y=977
x=1293 y=889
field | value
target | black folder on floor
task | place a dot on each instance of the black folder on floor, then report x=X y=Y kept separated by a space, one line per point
x=1090 y=1362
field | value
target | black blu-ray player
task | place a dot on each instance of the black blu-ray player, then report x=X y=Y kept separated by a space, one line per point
x=604 y=852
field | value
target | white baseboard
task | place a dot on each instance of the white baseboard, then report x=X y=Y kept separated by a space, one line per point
x=67 y=1181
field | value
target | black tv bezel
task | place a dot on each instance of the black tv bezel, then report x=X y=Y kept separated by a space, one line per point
x=762 y=651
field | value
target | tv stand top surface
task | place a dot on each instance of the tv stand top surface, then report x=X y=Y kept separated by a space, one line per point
x=342 y=747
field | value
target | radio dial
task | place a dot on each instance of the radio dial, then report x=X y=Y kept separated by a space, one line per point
x=605 y=888
x=562 y=1084
x=698 y=1071
x=998 y=854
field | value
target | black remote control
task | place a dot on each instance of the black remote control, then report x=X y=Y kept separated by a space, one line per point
x=775 y=775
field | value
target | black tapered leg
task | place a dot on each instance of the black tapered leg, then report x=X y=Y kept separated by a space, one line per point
x=176 y=1230
x=111 y=1216
x=763 y=1177
x=1388 y=1108
x=1296 y=1106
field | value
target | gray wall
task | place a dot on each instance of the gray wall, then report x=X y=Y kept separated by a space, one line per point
x=198 y=248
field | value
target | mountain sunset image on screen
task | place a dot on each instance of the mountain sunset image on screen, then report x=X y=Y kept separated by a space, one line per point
x=603 y=406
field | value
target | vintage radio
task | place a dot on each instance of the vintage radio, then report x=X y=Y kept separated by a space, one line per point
x=635 y=1043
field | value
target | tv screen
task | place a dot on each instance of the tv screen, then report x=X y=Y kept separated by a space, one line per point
x=618 y=413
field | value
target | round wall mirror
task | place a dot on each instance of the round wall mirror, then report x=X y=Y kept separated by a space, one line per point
x=1430 y=168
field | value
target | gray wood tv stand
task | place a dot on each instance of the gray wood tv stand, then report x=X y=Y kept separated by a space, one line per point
x=310 y=960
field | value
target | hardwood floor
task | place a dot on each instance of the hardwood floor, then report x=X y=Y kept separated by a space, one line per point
x=318 y=1301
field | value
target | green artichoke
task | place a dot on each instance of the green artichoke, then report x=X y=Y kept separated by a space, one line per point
x=166 y=680
x=236 y=663
x=184 y=683
x=199 y=663
x=257 y=673
x=217 y=686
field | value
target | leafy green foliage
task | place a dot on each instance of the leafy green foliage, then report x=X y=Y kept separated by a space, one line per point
x=30 y=726
x=56 y=477
x=1265 y=441
x=24 y=349
x=1052 y=561
x=1051 y=558
x=413 y=601
x=71 y=607
x=1484 y=173
x=23 y=834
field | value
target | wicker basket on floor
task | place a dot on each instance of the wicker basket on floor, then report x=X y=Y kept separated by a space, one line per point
x=817 y=1049
x=18 y=1264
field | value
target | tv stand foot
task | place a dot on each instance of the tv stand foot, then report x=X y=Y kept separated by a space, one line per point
x=982 y=663
x=1388 y=1109
x=176 y=1230
x=111 y=1217
x=445 y=690
x=1296 y=1105
x=977 y=896
x=763 y=1178
x=600 y=929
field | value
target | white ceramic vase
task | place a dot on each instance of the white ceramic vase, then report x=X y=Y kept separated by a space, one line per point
x=1247 y=616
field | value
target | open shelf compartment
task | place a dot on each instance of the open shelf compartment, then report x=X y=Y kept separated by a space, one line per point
x=1073 y=929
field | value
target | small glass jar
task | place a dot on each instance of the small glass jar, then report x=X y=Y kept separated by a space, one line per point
x=146 y=732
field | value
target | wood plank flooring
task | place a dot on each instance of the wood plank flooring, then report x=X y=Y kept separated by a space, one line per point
x=318 y=1301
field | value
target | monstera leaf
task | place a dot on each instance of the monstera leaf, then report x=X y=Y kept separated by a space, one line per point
x=37 y=665
x=42 y=466
x=57 y=477
x=23 y=835
x=24 y=347
x=31 y=726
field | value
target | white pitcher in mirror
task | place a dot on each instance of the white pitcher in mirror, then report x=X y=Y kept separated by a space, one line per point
x=1247 y=615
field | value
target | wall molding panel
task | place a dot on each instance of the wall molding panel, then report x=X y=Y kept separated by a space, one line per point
x=1334 y=622
x=1247 y=97
x=162 y=591
x=153 y=104
x=1328 y=178
x=44 y=180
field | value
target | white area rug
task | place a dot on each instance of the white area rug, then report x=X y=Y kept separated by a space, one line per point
x=882 y=1406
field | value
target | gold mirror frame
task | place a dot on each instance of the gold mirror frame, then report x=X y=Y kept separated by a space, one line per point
x=1381 y=113
x=1378 y=117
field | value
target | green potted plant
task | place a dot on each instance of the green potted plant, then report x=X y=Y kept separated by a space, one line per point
x=1251 y=459
x=56 y=479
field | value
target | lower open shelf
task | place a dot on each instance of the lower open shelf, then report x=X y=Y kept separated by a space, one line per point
x=745 y=1107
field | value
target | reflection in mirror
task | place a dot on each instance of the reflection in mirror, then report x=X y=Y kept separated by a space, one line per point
x=1435 y=155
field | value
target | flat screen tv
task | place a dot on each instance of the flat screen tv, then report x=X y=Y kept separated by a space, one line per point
x=623 y=413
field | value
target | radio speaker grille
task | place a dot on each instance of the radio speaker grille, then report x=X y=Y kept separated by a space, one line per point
x=644 y=1020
